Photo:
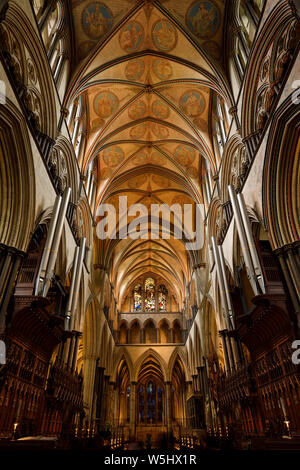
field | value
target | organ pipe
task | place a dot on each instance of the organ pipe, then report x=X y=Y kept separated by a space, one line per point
x=243 y=239
x=72 y=286
x=220 y=277
x=77 y=280
x=56 y=241
x=45 y=257
x=227 y=294
x=250 y=239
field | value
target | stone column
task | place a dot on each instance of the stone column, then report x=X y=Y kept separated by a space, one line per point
x=116 y=405
x=157 y=335
x=291 y=287
x=235 y=350
x=71 y=351
x=195 y=382
x=294 y=269
x=75 y=353
x=8 y=274
x=172 y=335
x=201 y=384
x=184 y=393
x=65 y=352
x=89 y=369
x=110 y=403
x=132 y=415
x=230 y=353
x=105 y=401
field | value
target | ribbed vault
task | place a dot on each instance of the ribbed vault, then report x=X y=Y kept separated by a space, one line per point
x=146 y=80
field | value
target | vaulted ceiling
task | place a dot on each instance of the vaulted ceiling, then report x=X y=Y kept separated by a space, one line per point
x=147 y=72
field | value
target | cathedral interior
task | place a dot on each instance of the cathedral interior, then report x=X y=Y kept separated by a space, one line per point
x=149 y=339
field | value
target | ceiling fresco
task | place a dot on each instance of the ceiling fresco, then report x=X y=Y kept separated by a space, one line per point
x=202 y=19
x=147 y=72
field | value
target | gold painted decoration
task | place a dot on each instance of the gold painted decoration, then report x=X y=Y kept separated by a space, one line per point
x=114 y=201
x=138 y=131
x=181 y=199
x=160 y=181
x=192 y=103
x=139 y=159
x=160 y=109
x=161 y=132
x=105 y=104
x=164 y=35
x=134 y=69
x=158 y=159
x=184 y=155
x=137 y=110
x=97 y=124
x=148 y=201
x=106 y=173
x=97 y=20
x=131 y=37
x=200 y=123
x=203 y=19
x=192 y=172
x=162 y=69
x=137 y=181
x=113 y=156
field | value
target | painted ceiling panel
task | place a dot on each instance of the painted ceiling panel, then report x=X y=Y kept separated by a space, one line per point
x=147 y=73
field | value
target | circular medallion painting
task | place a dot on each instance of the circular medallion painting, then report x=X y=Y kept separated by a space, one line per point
x=106 y=173
x=192 y=103
x=131 y=36
x=162 y=69
x=97 y=20
x=113 y=156
x=212 y=48
x=105 y=104
x=161 y=132
x=203 y=19
x=137 y=182
x=160 y=109
x=138 y=131
x=134 y=69
x=139 y=159
x=164 y=35
x=184 y=155
x=97 y=124
x=137 y=110
x=193 y=172
x=158 y=159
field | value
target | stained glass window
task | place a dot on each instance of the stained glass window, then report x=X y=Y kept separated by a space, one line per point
x=128 y=403
x=141 y=405
x=162 y=298
x=159 y=404
x=137 y=297
x=149 y=294
x=150 y=403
